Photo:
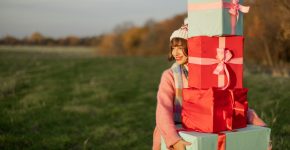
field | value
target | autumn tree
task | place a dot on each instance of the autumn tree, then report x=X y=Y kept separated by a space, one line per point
x=72 y=40
x=9 y=40
x=132 y=40
x=36 y=38
x=107 y=45
x=267 y=36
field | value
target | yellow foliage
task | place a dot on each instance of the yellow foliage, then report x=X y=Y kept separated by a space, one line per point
x=107 y=44
x=132 y=39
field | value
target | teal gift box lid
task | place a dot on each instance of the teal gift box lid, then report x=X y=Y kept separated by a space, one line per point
x=205 y=19
x=249 y=138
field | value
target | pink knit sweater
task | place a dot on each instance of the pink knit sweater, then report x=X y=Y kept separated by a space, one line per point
x=165 y=126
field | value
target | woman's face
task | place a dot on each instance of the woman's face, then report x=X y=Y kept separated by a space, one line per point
x=178 y=54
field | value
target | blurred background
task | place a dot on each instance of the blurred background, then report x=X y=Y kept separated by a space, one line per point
x=84 y=74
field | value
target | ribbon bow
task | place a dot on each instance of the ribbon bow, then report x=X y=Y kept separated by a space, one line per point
x=234 y=8
x=223 y=56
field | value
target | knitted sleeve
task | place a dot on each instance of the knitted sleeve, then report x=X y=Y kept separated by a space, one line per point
x=164 y=110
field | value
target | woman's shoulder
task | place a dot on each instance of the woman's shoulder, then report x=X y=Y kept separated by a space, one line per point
x=167 y=80
x=167 y=74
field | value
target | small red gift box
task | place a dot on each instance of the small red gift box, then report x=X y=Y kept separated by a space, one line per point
x=214 y=110
x=215 y=62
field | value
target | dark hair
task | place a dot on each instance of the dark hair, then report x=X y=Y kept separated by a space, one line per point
x=177 y=42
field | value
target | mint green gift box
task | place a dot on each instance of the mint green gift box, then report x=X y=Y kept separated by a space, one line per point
x=249 y=138
x=212 y=21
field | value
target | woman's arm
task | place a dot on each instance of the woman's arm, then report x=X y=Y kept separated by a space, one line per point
x=164 y=110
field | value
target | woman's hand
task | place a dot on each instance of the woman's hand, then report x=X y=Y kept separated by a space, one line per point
x=270 y=145
x=254 y=119
x=180 y=145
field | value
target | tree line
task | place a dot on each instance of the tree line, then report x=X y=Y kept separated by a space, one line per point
x=266 y=31
x=125 y=39
x=37 y=38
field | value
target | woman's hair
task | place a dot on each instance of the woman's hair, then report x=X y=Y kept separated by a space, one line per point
x=177 y=42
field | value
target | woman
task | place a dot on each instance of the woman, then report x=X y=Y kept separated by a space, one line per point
x=169 y=95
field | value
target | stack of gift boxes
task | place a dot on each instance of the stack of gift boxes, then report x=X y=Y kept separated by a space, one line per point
x=214 y=107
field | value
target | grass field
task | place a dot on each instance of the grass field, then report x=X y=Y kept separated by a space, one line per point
x=64 y=101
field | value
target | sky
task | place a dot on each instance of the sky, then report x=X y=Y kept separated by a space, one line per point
x=60 y=18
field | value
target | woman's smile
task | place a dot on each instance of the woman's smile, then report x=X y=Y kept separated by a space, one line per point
x=179 y=55
x=178 y=58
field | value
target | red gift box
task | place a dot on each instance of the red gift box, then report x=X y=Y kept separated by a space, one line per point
x=240 y=107
x=215 y=62
x=214 y=110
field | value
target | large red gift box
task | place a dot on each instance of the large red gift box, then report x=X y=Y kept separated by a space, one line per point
x=214 y=110
x=214 y=61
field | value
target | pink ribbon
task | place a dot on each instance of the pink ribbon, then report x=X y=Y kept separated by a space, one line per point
x=233 y=6
x=228 y=116
x=221 y=141
x=223 y=58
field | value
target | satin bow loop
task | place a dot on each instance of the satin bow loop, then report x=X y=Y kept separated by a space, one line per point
x=223 y=56
x=235 y=7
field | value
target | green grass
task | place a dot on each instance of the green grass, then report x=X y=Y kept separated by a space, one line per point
x=56 y=101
